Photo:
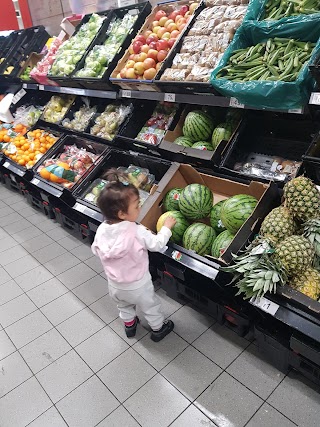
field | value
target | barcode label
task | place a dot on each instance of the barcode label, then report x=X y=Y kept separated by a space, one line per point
x=315 y=98
x=41 y=87
x=235 y=103
x=25 y=86
x=170 y=97
x=295 y=110
x=126 y=94
x=18 y=96
x=265 y=305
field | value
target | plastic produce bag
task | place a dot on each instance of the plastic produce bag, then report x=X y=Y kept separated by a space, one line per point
x=271 y=94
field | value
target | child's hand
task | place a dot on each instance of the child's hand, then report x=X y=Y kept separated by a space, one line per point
x=170 y=222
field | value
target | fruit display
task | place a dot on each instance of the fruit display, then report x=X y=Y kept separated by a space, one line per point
x=40 y=71
x=205 y=43
x=100 y=56
x=287 y=250
x=106 y=125
x=68 y=167
x=277 y=59
x=80 y=119
x=57 y=108
x=26 y=150
x=72 y=50
x=276 y=9
x=201 y=132
x=149 y=49
x=155 y=128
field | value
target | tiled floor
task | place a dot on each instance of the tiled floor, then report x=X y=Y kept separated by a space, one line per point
x=64 y=359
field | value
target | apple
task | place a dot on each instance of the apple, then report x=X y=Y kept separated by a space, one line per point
x=131 y=50
x=141 y=39
x=159 y=15
x=175 y=34
x=161 y=32
x=173 y=15
x=162 y=21
x=155 y=24
x=118 y=76
x=149 y=63
x=153 y=53
x=156 y=29
x=142 y=56
x=166 y=35
x=179 y=16
x=130 y=64
x=193 y=7
x=147 y=34
x=152 y=38
x=184 y=9
x=139 y=68
x=158 y=66
x=130 y=74
x=145 y=48
x=181 y=27
x=153 y=45
x=123 y=73
x=161 y=55
x=181 y=21
x=137 y=47
x=162 y=45
x=188 y=15
x=172 y=27
x=149 y=74
x=169 y=21
x=131 y=57
x=171 y=42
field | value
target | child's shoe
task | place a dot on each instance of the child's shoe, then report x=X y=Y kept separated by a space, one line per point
x=131 y=330
x=167 y=327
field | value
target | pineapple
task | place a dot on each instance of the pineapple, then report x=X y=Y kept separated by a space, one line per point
x=302 y=198
x=295 y=254
x=308 y=283
x=278 y=225
x=312 y=233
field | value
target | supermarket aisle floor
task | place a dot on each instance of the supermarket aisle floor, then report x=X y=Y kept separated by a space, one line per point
x=64 y=359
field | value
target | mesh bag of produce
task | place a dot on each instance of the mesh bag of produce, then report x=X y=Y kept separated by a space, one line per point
x=266 y=64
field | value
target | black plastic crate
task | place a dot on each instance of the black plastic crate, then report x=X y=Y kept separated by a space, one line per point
x=40 y=205
x=103 y=83
x=76 y=105
x=270 y=135
x=8 y=42
x=75 y=223
x=52 y=192
x=64 y=97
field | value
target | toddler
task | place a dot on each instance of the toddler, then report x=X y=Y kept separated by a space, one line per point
x=122 y=246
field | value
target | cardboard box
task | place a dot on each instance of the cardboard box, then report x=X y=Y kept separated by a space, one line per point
x=266 y=194
x=32 y=61
x=70 y=23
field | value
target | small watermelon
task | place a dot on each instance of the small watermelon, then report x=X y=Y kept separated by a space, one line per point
x=178 y=229
x=215 y=220
x=222 y=132
x=171 y=200
x=221 y=243
x=198 y=126
x=199 y=237
x=236 y=210
x=203 y=145
x=195 y=201
x=184 y=141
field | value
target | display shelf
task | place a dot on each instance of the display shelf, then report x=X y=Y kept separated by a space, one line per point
x=72 y=91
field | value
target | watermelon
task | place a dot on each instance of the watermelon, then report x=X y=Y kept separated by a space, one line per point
x=215 y=220
x=198 y=126
x=178 y=229
x=236 y=210
x=199 y=237
x=171 y=200
x=221 y=243
x=184 y=141
x=195 y=201
x=203 y=145
x=222 y=132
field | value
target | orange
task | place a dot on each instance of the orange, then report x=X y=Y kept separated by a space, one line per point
x=19 y=127
x=6 y=138
x=22 y=162
x=42 y=150
x=43 y=140
x=45 y=174
x=31 y=156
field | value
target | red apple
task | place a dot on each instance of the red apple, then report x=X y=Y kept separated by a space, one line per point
x=193 y=7
x=145 y=48
x=149 y=63
x=153 y=54
x=175 y=34
x=162 y=45
x=142 y=56
x=150 y=74
x=131 y=57
x=183 y=10
x=152 y=38
x=161 y=32
x=173 y=15
x=123 y=73
x=171 y=42
x=137 y=47
x=141 y=39
x=130 y=64
x=147 y=34
x=161 y=55
x=166 y=35
x=160 y=14
x=130 y=74
x=172 y=27
x=162 y=21
x=139 y=68
x=153 y=45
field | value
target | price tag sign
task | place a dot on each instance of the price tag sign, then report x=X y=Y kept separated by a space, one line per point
x=6 y=164
x=170 y=97
x=18 y=96
x=235 y=103
x=176 y=255
x=41 y=87
x=79 y=207
x=295 y=110
x=265 y=304
x=126 y=93
x=35 y=181
x=315 y=98
x=25 y=86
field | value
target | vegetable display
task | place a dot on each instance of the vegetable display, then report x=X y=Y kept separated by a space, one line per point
x=277 y=9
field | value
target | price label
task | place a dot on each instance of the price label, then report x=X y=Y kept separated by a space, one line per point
x=176 y=255
x=25 y=86
x=265 y=304
x=41 y=87
x=315 y=98
x=79 y=207
x=13 y=178
x=235 y=103
x=126 y=93
x=295 y=110
x=6 y=164
x=35 y=181
x=170 y=97
x=18 y=96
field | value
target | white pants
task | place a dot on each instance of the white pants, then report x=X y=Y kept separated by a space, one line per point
x=145 y=298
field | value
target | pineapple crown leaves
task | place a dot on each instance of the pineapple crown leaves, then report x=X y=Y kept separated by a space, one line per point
x=312 y=233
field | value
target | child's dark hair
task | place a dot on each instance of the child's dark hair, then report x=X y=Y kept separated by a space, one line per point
x=116 y=195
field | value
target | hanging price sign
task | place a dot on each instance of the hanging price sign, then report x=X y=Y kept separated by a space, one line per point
x=265 y=304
